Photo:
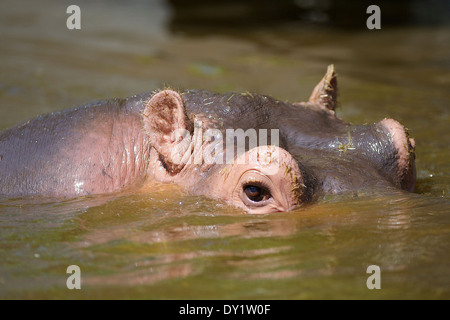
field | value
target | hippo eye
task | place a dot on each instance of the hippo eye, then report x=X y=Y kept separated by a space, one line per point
x=256 y=193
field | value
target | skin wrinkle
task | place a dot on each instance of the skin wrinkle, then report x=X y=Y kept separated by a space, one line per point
x=123 y=164
x=111 y=158
x=132 y=162
x=137 y=160
x=127 y=161
x=110 y=155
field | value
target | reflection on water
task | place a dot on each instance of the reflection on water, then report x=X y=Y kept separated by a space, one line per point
x=167 y=244
x=189 y=247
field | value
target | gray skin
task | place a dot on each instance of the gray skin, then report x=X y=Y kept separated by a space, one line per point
x=126 y=144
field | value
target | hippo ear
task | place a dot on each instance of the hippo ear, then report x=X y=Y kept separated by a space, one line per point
x=165 y=122
x=325 y=92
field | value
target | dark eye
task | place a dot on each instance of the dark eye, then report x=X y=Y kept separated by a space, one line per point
x=256 y=193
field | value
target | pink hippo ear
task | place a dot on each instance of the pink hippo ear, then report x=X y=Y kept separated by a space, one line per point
x=325 y=92
x=166 y=124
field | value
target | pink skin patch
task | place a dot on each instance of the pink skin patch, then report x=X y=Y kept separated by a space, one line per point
x=405 y=147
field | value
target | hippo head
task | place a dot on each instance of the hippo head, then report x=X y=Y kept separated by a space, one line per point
x=265 y=155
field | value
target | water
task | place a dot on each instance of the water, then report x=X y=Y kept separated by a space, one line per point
x=170 y=245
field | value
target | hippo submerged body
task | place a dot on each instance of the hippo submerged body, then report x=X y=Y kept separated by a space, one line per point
x=296 y=152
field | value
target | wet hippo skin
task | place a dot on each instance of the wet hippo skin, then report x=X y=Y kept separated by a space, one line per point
x=182 y=137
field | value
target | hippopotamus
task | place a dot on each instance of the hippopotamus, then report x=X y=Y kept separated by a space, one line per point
x=303 y=150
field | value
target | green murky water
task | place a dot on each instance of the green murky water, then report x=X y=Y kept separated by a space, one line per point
x=172 y=245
